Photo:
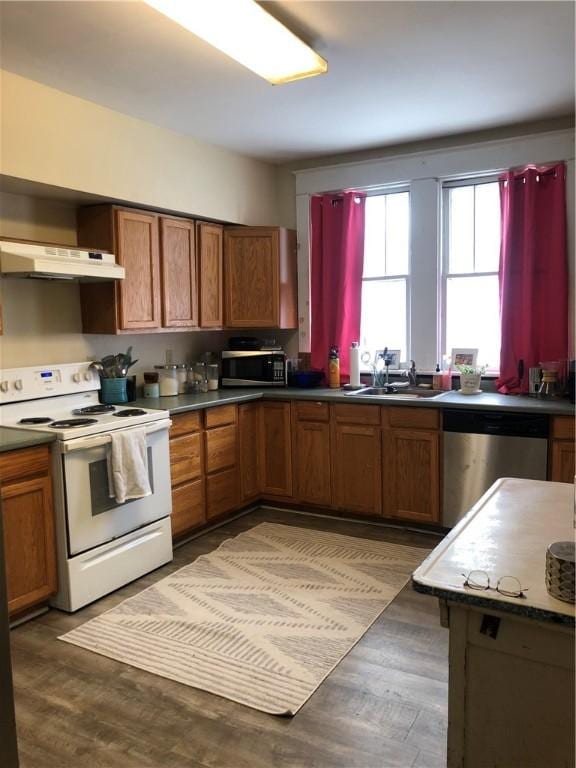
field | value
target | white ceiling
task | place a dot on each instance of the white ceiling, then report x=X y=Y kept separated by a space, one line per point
x=398 y=71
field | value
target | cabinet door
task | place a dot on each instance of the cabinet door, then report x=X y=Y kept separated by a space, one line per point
x=562 y=461
x=252 y=285
x=312 y=462
x=275 y=449
x=412 y=475
x=29 y=542
x=221 y=493
x=138 y=253
x=209 y=244
x=248 y=424
x=188 y=510
x=179 y=274
x=220 y=448
x=356 y=468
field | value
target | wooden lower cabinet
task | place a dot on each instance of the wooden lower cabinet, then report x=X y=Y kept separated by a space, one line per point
x=411 y=474
x=275 y=447
x=312 y=472
x=562 y=461
x=357 y=468
x=187 y=473
x=248 y=437
x=561 y=467
x=221 y=493
x=188 y=507
x=28 y=521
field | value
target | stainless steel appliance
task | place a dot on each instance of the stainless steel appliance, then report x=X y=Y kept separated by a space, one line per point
x=253 y=368
x=101 y=545
x=482 y=446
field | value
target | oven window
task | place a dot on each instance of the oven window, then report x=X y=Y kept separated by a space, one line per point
x=250 y=368
x=101 y=501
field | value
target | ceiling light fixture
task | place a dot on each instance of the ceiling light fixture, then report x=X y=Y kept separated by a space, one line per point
x=243 y=30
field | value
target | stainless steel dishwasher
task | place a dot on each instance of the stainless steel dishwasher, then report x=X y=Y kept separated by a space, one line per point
x=482 y=446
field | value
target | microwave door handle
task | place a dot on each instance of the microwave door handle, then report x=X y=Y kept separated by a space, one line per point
x=96 y=441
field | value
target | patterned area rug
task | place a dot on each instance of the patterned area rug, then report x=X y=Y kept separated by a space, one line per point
x=262 y=620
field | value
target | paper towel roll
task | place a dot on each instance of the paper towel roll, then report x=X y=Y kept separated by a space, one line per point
x=355 y=364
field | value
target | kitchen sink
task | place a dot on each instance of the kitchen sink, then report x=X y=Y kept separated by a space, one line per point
x=406 y=393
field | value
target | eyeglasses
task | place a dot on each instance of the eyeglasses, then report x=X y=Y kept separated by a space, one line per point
x=509 y=586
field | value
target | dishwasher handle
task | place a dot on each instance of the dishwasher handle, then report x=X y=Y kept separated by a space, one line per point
x=496 y=423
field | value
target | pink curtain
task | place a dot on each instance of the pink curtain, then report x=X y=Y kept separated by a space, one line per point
x=336 y=264
x=533 y=272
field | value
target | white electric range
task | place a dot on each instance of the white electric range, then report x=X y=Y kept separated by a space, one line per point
x=101 y=545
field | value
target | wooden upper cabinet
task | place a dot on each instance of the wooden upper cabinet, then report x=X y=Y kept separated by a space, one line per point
x=260 y=277
x=209 y=239
x=137 y=252
x=179 y=273
x=132 y=304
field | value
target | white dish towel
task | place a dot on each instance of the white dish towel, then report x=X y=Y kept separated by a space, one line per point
x=128 y=465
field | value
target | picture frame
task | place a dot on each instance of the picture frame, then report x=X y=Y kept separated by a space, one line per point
x=394 y=354
x=464 y=356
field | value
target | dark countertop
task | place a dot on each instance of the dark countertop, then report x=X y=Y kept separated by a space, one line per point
x=484 y=401
x=13 y=439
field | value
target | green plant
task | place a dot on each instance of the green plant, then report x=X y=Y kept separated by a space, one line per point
x=472 y=370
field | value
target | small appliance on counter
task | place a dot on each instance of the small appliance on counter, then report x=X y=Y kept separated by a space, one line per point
x=253 y=368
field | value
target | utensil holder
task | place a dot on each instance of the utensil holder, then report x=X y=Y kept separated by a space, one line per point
x=113 y=391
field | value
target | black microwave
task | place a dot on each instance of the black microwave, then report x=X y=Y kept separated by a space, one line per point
x=253 y=368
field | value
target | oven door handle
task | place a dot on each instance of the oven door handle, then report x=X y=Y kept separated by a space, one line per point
x=84 y=443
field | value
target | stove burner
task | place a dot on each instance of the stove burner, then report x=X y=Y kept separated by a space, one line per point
x=130 y=412
x=35 y=420
x=67 y=423
x=101 y=408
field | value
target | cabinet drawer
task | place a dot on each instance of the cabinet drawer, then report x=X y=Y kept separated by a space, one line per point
x=184 y=423
x=188 y=507
x=315 y=411
x=185 y=458
x=24 y=462
x=221 y=493
x=356 y=414
x=411 y=418
x=220 y=448
x=217 y=417
x=563 y=428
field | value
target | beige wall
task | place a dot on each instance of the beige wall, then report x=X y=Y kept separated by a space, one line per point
x=54 y=138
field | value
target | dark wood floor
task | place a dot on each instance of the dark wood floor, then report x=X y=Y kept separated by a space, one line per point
x=383 y=706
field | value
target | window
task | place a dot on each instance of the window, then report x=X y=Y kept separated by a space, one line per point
x=385 y=281
x=471 y=231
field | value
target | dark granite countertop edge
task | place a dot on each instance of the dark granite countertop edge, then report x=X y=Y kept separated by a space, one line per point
x=477 y=601
x=486 y=401
x=15 y=439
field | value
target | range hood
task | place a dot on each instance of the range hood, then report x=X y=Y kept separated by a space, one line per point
x=53 y=262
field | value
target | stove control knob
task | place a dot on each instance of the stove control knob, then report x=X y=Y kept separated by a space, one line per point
x=18 y=384
x=4 y=386
x=87 y=376
x=76 y=377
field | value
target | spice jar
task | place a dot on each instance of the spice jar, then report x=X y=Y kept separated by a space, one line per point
x=168 y=380
x=213 y=376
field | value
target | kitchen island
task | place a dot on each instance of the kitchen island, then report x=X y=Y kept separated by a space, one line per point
x=511 y=691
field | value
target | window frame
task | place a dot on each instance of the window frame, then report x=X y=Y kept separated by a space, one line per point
x=444 y=273
x=381 y=192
